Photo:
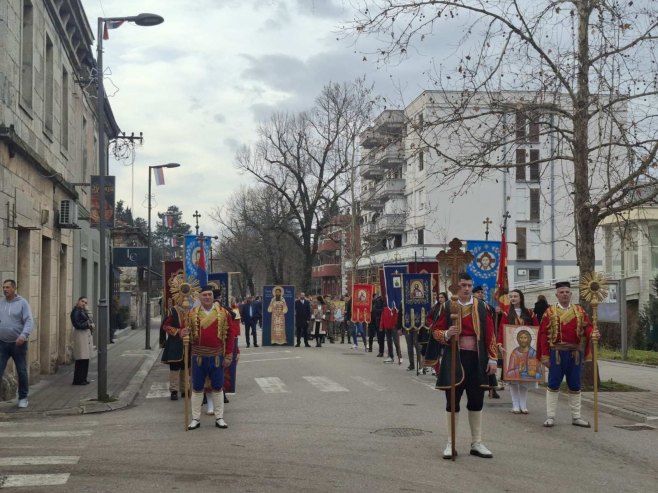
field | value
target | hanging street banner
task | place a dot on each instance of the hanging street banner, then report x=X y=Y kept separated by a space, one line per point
x=196 y=266
x=484 y=266
x=130 y=256
x=416 y=300
x=95 y=208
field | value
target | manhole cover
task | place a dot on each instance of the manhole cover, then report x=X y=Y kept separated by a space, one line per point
x=401 y=432
x=638 y=427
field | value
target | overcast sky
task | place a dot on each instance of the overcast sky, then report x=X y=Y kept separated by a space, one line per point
x=198 y=84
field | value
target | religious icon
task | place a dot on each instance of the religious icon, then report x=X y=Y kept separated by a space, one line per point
x=417 y=290
x=520 y=362
x=486 y=261
x=362 y=296
x=397 y=282
x=278 y=308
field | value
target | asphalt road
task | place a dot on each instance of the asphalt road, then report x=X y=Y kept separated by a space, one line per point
x=329 y=419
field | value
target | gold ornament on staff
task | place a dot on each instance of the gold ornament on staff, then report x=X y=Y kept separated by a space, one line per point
x=594 y=289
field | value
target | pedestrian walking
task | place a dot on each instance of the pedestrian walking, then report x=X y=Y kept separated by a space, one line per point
x=16 y=324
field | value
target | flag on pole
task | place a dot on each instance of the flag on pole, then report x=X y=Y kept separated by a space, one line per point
x=168 y=220
x=502 y=286
x=159 y=176
x=201 y=270
x=110 y=25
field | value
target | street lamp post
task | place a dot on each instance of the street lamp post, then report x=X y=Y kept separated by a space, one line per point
x=147 y=344
x=103 y=313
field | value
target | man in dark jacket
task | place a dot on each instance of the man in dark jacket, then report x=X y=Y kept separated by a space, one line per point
x=249 y=316
x=373 y=327
x=302 y=316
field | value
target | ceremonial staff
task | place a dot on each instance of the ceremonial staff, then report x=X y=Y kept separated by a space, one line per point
x=594 y=289
x=454 y=259
x=186 y=382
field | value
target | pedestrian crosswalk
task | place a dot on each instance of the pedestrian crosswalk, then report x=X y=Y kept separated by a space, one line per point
x=275 y=385
x=39 y=472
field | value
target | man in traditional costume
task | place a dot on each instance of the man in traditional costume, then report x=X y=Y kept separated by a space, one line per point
x=563 y=346
x=172 y=342
x=476 y=360
x=212 y=350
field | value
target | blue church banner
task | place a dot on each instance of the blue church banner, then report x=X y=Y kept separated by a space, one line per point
x=196 y=265
x=416 y=299
x=484 y=266
x=278 y=315
x=393 y=284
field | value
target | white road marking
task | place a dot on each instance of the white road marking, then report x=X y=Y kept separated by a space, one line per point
x=39 y=460
x=22 y=480
x=46 y=434
x=422 y=382
x=323 y=384
x=158 y=390
x=267 y=359
x=136 y=352
x=17 y=424
x=272 y=385
x=370 y=383
x=263 y=352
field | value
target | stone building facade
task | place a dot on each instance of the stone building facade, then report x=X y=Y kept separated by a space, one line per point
x=48 y=151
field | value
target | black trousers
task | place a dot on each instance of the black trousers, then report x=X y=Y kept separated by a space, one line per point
x=380 y=340
x=318 y=337
x=302 y=331
x=80 y=371
x=250 y=326
x=470 y=384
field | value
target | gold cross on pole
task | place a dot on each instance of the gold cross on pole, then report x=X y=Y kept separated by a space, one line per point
x=454 y=259
x=486 y=223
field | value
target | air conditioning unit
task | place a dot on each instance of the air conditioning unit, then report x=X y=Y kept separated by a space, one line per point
x=68 y=214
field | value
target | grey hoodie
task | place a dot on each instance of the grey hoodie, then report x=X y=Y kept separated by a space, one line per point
x=15 y=319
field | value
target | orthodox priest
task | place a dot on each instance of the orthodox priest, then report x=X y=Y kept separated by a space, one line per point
x=211 y=351
x=476 y=359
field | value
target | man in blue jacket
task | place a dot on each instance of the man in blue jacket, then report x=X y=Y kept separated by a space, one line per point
x=16 y=325
x=249 y=315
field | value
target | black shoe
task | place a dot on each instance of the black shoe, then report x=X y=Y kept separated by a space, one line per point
x=493 y=394
x=174 y=395
x=380 y=355
x=307 y=345
x=111 y=342
x=225 y=399
x=370 y=350
x=78 y=383
x=256 y=345
x=248 y=345
x=194 y=425
x=409 y=368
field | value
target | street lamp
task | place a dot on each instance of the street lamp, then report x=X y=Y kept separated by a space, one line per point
x=103 y=313
x=147 y=344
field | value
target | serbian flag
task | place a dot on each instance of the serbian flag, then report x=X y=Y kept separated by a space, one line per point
x=159 y=176
x=502 y=287
x=110 y=25
x=168 y=220
x=362 y=302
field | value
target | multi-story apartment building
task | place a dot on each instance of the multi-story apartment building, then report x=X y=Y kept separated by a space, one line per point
x=415 y=199
x=48 y=150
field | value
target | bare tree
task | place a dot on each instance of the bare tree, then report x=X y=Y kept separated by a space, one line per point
x=306 y=159
x=588 y=70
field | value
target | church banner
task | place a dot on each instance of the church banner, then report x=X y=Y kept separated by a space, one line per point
x=220 y=279
x=416 y=300
x=393 y=284
x=278 y=315
x=427 y=267
x=362 y=302
x=196 y=266
x=484 y=266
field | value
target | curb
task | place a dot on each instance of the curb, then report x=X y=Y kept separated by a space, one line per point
x=620 y=412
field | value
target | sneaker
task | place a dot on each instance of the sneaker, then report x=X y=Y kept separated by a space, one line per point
x=400 y=361
x=447 y=452
x=22 y=403
x=388 y=360
x=194 y=424
x=480 y=450
x=354 y=346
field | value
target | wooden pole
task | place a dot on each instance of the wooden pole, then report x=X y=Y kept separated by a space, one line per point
x=186 y=382
x=595 y=344
x=456 y=316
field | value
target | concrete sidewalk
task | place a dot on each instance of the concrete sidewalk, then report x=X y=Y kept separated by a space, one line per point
x=128 y=364
x=638 y=406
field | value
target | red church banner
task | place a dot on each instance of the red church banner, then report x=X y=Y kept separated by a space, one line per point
x=362 y=302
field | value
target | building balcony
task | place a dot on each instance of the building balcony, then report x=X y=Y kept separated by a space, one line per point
x=326 y=270
x=328 y=245
x=368 y=229
x=369 y=168
x=392 y=156
x=390 y=122
x=371 y=138
x=390 y=224
x=370 y=200
x=388 y=188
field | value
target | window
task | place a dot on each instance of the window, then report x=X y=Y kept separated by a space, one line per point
x=534 y=204
x=534 y=165
x=65 y=110
x=521 y=250
x=420 y=120
x=521 y=120
x=533 y=134
x=49 y=82
x=421 y=236
x=520 y=165
x=27 y=53
x=534 y=274
x=421 y=161
x=653 y=241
